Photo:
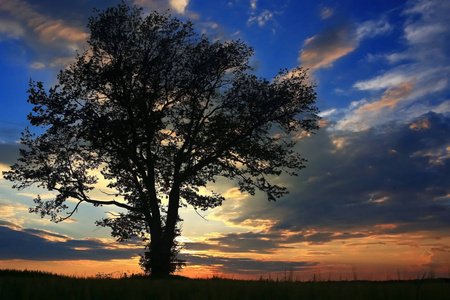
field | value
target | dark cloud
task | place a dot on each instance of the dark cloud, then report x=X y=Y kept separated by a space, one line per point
x=259 y=242
x=319 y=238
x=40 y=232
x=9 y=153
x=8 y=224
x=267 y=242
x=247 y=265
x=356 y=181
x=32 y=244
x=10 y=132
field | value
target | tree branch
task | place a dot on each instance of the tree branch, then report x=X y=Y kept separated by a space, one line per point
x=71 y=213
x=111 y=202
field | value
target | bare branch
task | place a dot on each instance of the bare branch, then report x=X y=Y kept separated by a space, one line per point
x=71 y=213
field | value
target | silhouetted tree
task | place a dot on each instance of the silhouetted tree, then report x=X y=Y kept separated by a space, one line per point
x=157 y=111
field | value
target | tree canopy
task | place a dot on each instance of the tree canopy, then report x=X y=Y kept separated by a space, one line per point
x=158 y=111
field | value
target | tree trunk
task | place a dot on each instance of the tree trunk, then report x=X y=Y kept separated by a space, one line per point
x=158 y=260
x=160 y=264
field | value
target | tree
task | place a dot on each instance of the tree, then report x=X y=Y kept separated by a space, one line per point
x=158 y=111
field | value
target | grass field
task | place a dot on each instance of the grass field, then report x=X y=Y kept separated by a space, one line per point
x=16 y=285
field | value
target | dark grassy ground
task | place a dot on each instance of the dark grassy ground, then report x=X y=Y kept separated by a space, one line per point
x=37 y=285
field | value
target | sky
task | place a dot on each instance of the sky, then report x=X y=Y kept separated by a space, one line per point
x=373 y=200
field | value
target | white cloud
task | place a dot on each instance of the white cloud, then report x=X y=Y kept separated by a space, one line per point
x=259 y=16
x=396 y=105
x=426 y=8
x=327 y=113
x=427 y=21
x=396 y=57
x=326 y=12
x=425 y=63
x=373 y=28
x=382 y=81
x=363 y=115
x=10 y=29
x=262 y=18
x=423 y=34
x=179 y=5
x=37 y=65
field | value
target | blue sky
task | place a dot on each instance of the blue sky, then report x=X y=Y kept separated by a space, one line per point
x=376 y=187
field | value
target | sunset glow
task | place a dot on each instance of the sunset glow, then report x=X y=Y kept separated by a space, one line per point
x=374 y=199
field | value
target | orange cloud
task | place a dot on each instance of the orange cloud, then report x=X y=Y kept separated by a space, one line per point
x=48 y=29
x=391 y=97
x=420 y=125
x=314 y=59
x=51 y=30
x=8 y=210
x=322 y=50
x=235 y=194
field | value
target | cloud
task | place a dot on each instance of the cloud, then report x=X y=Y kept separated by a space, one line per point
x=269 y=241
x=8 y=210
x=386 y=175
x=41 y=245
x=421 y=124
x=440 y=257
x=369 y=114
x=248 y=242
x=323 y=49
x=62 y=61
x=430 y=20
x=48 y=29
x=262 y=18
x=390 y=98
x=425 y=33
x=383 y=81
x=10 y=153
x=179 y=6
x=326 y=12
x=422 y=34
x=37 y=65
x=247 y=265
x=259 y=16
x=44 y=37
x=10 y=29
x=43 y=196
x=373 y=28
x=235 y=194
x=424 y=64
x=338 y=40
